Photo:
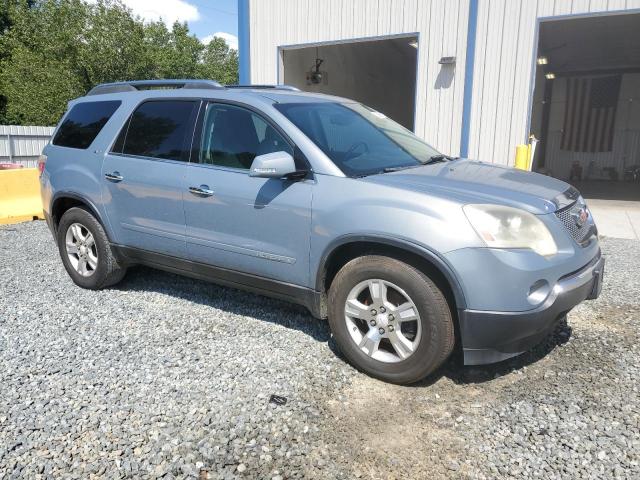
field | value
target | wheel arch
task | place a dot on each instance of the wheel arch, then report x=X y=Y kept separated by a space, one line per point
x=345 y=249
x=63 y=201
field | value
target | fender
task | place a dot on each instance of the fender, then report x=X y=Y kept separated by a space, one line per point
x=92 y=206
x=433 y=257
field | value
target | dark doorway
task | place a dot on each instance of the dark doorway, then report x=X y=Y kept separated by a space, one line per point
x=586 y=105
x=379 y=73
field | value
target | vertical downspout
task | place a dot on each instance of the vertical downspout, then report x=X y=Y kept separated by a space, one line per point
x=468 y=78
x=244 y=57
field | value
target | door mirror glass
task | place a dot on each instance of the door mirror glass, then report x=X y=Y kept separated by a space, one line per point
x=273 y=165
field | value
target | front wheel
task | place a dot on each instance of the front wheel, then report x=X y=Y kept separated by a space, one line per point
x=85 y=251
x=389 y=319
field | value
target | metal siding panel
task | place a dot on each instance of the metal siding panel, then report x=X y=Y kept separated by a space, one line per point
x=562 y=7
x=335 y=12
x=484 y=8
x=519 y=114
x=397 y=15
x=423 y=16
x=409 y=16
x=490 y=94
x=598 y=5
x=348 y=13
x=442 y=26
x=580 y=6
x=545 y=8
x=458 y=80
x=436 y=28
x=506 y=81
x=359 y=27
x=446 y=79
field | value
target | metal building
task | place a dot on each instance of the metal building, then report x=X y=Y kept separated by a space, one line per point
x=473 y=77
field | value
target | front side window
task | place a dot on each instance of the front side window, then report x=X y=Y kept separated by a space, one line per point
x=233 y=136
x=83 y=123
x=359 y=140
x=159 y=129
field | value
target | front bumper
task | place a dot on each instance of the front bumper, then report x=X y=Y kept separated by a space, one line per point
x=489 y=337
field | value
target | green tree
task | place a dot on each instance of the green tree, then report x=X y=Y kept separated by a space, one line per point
x=55 y=50
x=219 y=62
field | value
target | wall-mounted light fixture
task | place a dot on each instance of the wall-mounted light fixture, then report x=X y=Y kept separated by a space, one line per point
x=447 y=61
x=542 y=60
x=549 y=76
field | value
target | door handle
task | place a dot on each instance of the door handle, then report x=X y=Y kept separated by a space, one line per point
x=114 y=177
x=202 y=191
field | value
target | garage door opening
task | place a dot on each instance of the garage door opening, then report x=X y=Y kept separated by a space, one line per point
x=586 y=105
x=380 y=73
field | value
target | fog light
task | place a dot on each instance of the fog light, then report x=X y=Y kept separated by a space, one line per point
x=538 y=292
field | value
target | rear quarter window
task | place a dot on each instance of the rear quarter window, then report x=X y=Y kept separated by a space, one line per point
x=83 y=123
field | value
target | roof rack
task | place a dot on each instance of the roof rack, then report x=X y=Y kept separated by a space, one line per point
x=135 y=85
x=266 y=87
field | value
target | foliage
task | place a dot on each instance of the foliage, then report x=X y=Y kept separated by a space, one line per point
x=52 y=51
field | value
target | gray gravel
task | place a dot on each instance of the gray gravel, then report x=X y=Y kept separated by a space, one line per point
x=164 y=376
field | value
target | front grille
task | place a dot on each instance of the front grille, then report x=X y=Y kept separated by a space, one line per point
x=580 y=233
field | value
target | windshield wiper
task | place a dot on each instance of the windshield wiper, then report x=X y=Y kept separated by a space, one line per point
x=397 y=169
x=440 y=158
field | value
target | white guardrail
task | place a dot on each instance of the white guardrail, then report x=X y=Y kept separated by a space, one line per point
x=23 y=144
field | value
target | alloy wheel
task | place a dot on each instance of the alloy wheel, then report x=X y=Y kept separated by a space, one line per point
x=382 y=320
x=81 y=249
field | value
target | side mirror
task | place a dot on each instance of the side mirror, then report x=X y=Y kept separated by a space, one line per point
x=272 y=165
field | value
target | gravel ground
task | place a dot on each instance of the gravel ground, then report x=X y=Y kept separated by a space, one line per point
x=167 y=376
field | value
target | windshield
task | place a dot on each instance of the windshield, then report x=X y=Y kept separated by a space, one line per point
x=359 y=140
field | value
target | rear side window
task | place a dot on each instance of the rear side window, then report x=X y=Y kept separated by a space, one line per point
x=159 y=129
x=83 y=123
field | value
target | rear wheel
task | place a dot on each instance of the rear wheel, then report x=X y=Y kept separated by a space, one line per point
x=86 y=252
x=389 y=319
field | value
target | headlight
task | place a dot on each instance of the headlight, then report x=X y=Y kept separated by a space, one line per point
x=507 y=227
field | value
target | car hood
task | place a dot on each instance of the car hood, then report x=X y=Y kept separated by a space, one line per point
x=469 y=181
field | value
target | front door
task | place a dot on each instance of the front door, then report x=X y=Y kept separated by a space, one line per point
x=251 y=225
x=144 y=177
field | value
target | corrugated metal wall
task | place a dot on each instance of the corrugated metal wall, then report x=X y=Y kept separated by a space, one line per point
x=23 y=144
x=505 y=45
x=502 y=74
x=442 y=32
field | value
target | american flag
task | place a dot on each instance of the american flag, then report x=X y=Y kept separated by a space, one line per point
x=590 y=113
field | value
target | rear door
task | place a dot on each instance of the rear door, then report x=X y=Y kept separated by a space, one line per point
x=252 y=225
x=144 y=176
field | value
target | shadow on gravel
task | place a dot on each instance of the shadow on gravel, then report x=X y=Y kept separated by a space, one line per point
x=294 y=316
x=230 y=300
x=455 y=370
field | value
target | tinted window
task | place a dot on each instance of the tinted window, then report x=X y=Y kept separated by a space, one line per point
x=233 y=137
x=83 y=123
x=159 y=129
x=359 y=140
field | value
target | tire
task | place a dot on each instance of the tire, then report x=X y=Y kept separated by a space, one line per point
x=101 y=267
x=431 y=334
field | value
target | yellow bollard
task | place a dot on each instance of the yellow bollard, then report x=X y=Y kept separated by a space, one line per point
x=522 y=157
x=20 y=195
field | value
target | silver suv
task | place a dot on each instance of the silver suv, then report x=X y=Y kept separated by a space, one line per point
x=324 y=202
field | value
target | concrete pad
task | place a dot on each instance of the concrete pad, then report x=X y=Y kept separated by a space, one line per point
x=616 y=218
x=634 y=218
